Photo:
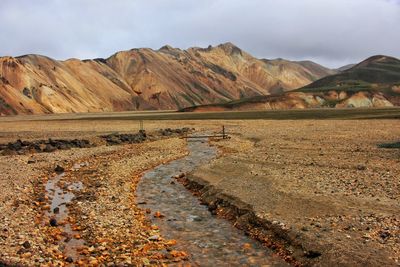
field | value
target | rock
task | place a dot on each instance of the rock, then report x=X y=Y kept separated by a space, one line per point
x=154 y=238
x=49 y=148
x=59 y=169
x=384 y=234
x=361 y=167
x=53 y=222
x=26 y=255
x=143 y=133
x=56 y=210
x=304 y=229
x=26 y=245
x=15 y=146
x=312 y=254
x=69 y=260
x=31 y=161
x=194 y=218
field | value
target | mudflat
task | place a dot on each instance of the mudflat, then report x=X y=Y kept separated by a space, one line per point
x=325 y=183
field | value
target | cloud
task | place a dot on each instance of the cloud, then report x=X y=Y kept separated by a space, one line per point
x=332 y=32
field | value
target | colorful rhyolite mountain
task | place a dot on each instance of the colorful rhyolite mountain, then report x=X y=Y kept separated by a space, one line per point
x=375 y=82
x=144 y=79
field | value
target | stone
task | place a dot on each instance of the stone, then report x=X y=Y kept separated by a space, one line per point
x=361 y=167
x=59 y=169
x=49 y=148
x=26 y=245
x=53 y=222
x=154 y=238
x=69 y=260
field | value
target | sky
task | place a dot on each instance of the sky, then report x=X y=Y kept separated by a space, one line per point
x=329 y=32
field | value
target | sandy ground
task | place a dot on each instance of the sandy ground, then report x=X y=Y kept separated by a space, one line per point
x=325 y=180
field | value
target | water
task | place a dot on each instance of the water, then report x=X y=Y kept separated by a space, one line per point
x=61 y=194
x=209 y=240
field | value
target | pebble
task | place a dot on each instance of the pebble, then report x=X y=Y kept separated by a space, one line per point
x=53 y=222
x=154 y=238
x=59 y=169
x=26 y=245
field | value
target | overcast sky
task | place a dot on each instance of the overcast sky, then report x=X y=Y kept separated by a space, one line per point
x=330 y=32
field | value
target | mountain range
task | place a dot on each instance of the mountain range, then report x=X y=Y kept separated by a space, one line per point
x=146 y=79
x=375 y=82
x=221 y=77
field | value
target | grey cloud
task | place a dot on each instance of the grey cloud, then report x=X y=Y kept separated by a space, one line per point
x=331 y=32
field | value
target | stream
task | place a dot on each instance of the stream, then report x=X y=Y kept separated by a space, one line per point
x=209 y=240
x=61 y=194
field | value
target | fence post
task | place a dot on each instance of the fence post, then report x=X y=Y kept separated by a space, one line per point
x=141 y=125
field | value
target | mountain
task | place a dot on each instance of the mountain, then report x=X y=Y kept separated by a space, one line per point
x=345 y=67
x=375 y=82
x=376 y=70
x=146 y=79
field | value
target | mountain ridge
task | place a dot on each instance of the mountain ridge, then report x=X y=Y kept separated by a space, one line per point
x=145 y=79
x=374 y=82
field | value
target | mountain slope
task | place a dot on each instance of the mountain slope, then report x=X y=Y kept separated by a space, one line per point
x=375 y=82
x=345 y=67
x=375 y=70
x=143 y=79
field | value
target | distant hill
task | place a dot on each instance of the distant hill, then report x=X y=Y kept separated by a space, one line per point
x=376 y=71
x=146 y=79
x=375 y=82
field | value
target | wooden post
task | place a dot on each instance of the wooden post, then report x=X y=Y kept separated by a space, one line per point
x=223 y=132
x=141 y=125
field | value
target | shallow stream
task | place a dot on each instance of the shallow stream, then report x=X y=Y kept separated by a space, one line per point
x=209 y=240
x=61 y=194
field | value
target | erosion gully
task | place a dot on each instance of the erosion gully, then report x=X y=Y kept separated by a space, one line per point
x=209 y=240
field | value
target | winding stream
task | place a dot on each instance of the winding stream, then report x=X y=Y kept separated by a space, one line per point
x=209 y=240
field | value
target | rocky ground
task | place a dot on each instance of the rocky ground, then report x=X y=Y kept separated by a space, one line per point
x=103 y=214
x=326 y=184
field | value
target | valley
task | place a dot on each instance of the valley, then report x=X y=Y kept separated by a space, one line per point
x=312 y=192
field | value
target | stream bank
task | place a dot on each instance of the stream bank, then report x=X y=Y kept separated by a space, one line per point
x=208 y=239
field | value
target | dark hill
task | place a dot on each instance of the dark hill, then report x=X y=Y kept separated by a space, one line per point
x=375 y=73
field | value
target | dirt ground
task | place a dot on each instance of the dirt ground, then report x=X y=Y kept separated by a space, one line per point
x=325 y=180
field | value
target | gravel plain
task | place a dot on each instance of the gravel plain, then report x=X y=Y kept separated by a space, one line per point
x=325 y=180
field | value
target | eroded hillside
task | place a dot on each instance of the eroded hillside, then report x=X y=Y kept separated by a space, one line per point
x=374 y=82
x=145 y=79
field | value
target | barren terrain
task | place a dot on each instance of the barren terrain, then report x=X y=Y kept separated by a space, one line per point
x=325 y=186
x=145 y=79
